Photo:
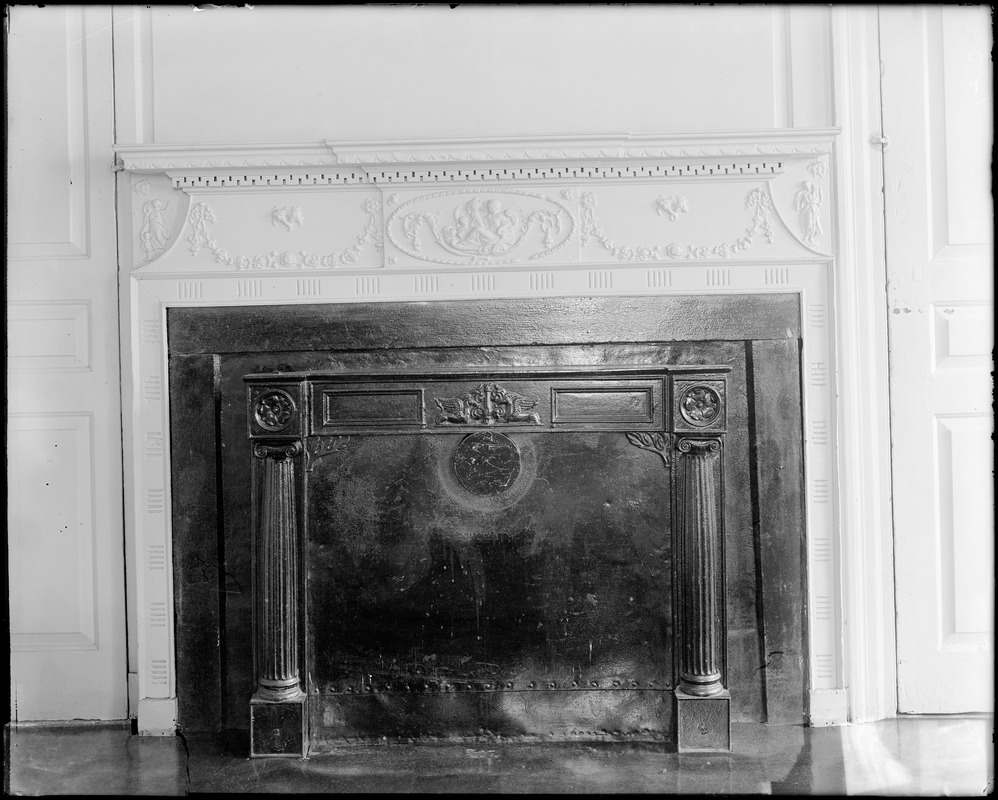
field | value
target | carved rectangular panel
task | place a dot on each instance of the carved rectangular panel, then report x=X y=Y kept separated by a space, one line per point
x=51 y=533
x=603 y=404
x=375 y=407
x=44 y=337
x=48 y=147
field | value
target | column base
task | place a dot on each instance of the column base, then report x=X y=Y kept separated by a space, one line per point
x=279 y=729
x=703 y=724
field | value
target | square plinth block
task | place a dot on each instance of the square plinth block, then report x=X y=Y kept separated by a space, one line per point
x=278 y=729
x=703 y=724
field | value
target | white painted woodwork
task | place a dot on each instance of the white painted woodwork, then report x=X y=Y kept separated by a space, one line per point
x=64 y=524
x=861 y=434
x=937 y=86
x=262 y=74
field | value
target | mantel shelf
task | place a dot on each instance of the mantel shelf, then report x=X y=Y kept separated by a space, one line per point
x=614 y=147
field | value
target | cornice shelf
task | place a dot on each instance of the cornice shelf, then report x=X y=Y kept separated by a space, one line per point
x=529 y=152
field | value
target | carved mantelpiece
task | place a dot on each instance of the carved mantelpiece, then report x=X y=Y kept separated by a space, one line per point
x=484 y=204
x=616 y=226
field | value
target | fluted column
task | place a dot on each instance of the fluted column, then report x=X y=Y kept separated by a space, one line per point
x=278 y=592
x=699 y=423
x=697 y=558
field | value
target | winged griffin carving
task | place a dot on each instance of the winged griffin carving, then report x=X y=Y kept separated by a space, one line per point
x=490 y=404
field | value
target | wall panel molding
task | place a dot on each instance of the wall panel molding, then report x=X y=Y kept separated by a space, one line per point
x=51 y=532
x=49 y=148
x=49 y=337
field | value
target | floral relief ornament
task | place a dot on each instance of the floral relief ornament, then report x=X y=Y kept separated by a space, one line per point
x=817 y=168
x=700 y=405
x=274 y=410
x=201 y=217
x=288 y=216
x=758 y=202
x=673 y=206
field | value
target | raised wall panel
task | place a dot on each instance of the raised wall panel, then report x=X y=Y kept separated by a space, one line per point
x=958 y=109
x=809 y=85
x=268 y=74
x=966 y=70
x=47 y=132
x=50 y=524
x=48 y=337
x=963 y=335
x=965 y=465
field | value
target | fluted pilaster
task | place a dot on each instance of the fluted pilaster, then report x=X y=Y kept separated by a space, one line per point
x=697 y=480
x=278 y=600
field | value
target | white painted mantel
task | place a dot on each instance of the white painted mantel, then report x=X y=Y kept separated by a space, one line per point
x=385 y=221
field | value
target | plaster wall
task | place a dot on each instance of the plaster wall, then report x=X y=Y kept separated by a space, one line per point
x=229 y=75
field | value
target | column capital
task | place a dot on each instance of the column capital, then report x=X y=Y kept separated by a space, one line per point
x=277 y=450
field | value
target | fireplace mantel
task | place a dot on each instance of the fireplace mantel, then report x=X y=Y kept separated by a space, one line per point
x=352 y=222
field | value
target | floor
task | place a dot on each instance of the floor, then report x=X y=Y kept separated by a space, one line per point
x=906 y=756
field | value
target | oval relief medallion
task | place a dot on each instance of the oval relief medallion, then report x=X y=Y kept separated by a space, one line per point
x=479 y=226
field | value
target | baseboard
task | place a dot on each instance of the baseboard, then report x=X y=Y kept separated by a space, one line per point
x=828 y=707
x=157 y=716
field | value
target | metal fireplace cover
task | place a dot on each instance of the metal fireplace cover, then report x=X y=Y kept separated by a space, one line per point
x=492 y=579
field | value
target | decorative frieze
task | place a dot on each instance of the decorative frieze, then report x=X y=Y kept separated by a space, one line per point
x=489 y=404
x=758 y=202
x=201 y=216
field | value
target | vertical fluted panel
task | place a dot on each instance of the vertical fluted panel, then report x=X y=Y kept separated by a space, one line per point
x=697 y=518
x=278 y=601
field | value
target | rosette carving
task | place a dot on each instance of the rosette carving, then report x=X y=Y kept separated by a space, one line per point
x=700 y=405
x=274 y=410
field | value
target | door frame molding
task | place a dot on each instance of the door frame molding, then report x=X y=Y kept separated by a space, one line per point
x=865 y=518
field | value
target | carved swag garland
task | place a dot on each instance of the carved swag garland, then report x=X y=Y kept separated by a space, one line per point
x=496 y=226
